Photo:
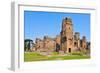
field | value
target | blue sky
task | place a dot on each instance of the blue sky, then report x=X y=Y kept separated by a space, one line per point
x=38 y=24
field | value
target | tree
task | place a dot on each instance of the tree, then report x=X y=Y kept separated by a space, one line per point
x=27 y=44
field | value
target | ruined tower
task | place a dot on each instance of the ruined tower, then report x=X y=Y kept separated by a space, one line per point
x=57 y=43
x=67 y=35
x=84 y=45
x=77 y=39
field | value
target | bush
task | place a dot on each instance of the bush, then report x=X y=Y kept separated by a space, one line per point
x=77 y=53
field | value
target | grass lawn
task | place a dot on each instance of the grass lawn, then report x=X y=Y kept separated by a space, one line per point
x=32 y=56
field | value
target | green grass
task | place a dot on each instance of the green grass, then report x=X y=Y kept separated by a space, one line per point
x=32 y=56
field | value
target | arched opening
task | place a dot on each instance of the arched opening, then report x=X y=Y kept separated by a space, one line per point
x=75 y=44
x=69 y=50
x=69 y=27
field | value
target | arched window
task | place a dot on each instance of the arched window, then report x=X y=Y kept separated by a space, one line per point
x=69 y=27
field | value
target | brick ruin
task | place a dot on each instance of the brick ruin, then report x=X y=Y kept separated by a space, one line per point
x=67 y=41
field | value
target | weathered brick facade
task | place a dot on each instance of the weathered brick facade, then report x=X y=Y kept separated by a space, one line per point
x=67 y=39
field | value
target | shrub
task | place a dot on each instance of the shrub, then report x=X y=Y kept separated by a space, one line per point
x=77 y=53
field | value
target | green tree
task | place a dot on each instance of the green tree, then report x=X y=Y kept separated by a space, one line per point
x=27 y=44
